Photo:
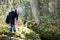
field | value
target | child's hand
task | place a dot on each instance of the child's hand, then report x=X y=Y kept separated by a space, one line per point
x=16 y=18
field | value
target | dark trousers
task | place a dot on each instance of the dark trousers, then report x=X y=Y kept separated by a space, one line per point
x=12 y=26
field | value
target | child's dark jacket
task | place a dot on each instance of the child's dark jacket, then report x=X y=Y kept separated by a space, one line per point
x=11 y=17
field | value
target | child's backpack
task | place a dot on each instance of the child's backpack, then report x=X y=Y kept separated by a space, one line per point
x=8 y=18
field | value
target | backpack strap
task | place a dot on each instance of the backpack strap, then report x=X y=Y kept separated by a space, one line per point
x=15 y=11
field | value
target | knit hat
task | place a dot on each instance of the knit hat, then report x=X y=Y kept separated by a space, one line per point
x=19 y=10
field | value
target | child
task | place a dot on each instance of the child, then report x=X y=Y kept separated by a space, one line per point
x=11 y=18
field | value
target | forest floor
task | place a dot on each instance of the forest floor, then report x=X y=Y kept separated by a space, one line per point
x=22 y=32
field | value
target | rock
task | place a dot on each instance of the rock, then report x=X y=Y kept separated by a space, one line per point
x=14 y=38
x=17 y=38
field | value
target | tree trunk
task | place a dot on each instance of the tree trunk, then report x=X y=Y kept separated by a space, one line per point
x=34 y=6
x=58 y=8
